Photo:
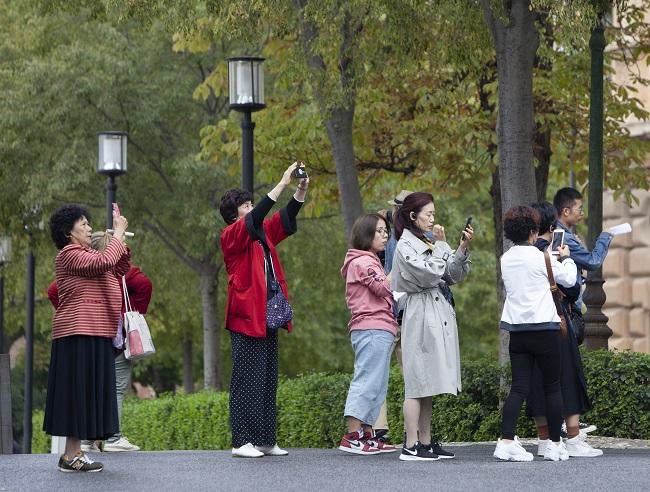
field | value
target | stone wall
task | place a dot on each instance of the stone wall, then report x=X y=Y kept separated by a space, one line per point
x=627 y=274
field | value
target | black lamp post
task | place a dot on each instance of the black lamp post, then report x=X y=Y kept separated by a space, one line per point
x=246 y=90
x=111 y=161
x=597 y=332
x=5 y=257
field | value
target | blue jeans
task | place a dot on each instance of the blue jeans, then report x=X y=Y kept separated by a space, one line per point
x=372 y=351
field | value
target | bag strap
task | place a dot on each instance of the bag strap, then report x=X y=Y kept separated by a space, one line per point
x=127 y=301
x=555 y=292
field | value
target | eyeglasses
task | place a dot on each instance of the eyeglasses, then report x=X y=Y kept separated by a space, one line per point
x=382 y=231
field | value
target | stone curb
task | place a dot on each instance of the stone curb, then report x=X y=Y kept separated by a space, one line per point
x=596 y=441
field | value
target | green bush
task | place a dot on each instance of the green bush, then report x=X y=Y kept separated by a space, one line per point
x=310 y=408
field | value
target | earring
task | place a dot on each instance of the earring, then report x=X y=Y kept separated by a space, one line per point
x=412 y=216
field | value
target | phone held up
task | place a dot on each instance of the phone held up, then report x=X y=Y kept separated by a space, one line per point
x=116 y=210
x=300 y=172
x=557 y=241
x=468 y=223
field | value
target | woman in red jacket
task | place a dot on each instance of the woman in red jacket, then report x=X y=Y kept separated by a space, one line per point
x=81 y=401
x=248 y=245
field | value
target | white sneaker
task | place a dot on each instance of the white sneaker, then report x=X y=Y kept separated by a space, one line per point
x=90 y=447
x=541 y=446
x=274 y=450
x=247 y=451
x=122 y=444
x=579 y=448
x=512 y=451
x=556 y=452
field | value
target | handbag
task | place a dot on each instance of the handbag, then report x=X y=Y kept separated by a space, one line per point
x=278 y=309
x=557 y=295
x=578 y=324
x=137 y=342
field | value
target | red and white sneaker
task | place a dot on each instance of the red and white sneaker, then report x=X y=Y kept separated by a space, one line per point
x=354 y=443
x=379 y=443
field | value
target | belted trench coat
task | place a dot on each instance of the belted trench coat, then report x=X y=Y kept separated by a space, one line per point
x=430 y=349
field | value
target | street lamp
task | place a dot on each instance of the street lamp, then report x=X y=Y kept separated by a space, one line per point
x=246 y=94
x=597 y=332
x=111 y=161
x=5 y=257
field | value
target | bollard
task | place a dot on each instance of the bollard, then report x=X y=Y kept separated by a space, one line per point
x=6 y=431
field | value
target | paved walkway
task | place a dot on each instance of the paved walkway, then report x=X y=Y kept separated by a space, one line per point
x=316 y=470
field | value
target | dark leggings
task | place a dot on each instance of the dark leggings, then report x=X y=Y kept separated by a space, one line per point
x=526 y=348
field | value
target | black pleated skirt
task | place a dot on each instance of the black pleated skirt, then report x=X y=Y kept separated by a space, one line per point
x=81 y=400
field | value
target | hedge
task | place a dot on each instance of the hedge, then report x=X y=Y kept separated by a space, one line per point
x=310 y=408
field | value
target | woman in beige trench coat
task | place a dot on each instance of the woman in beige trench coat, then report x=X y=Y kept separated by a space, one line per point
x=430 y=351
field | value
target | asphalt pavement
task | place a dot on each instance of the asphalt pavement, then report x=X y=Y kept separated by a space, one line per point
x=316 y=470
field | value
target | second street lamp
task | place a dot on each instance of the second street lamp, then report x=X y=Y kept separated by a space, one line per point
x=5 y=257
x=111 y=160
x=246 y=94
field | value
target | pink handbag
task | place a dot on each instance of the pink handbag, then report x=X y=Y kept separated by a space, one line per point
x=138 y=342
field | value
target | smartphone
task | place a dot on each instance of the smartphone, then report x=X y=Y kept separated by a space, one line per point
x=300 y=172
x=468 y=223
x=557 y=241
x=116 y=210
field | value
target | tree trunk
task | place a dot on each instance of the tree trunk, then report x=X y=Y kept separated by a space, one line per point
x=516 y=43
x=208 y=284
x=188 y=374
x=339 y=131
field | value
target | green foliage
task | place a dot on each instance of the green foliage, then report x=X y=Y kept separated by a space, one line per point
x=310 y=408
x=619 y=385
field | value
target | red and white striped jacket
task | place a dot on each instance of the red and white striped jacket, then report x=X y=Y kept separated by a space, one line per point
x=90 y=298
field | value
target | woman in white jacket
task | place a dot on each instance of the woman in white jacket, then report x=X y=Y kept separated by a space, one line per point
x=529 y=314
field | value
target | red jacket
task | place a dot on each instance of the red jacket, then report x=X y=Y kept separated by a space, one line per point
x=89 y=290
x=138 y=286
x=244 y=259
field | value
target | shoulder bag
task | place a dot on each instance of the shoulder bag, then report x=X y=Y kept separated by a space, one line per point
x=557 y=295
x=278 y=309
x=138 y=343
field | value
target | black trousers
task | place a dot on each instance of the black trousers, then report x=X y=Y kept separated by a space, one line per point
x=254 y=382
x=526 y=349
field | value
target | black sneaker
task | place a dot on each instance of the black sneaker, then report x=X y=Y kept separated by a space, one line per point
x=417 y=453
x=437 y=450
x=79 y=463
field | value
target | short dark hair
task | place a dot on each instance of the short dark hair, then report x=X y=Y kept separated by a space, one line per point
x=363 y=231
x=519 y=222
x=547 y=215
x=565 y=198
x=63 y=220
x=412 y=204
x=230 y=201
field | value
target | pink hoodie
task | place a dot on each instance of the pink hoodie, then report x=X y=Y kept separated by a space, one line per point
x=367 y=292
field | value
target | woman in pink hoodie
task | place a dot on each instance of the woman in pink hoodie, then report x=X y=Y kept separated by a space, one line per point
x=372 y=333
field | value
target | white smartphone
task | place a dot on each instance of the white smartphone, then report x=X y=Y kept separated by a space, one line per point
x=557 y=241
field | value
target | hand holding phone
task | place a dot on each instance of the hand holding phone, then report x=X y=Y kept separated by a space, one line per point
x=557 y=241
x=468 y=223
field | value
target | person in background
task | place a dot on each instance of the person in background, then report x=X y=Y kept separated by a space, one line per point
x=430 y=350
x=139 y=289
x=248 y=243
x=372 y=333
x=81 y=400
x=530 y=315
x=569 y=207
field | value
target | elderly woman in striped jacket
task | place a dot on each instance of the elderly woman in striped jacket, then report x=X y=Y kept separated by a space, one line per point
x=81 y=401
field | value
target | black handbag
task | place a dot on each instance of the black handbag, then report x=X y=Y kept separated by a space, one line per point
x=578 y=324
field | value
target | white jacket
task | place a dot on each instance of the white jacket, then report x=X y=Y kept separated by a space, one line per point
x=528 y=293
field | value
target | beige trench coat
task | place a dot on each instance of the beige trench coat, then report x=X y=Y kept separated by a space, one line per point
x=430 y=349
